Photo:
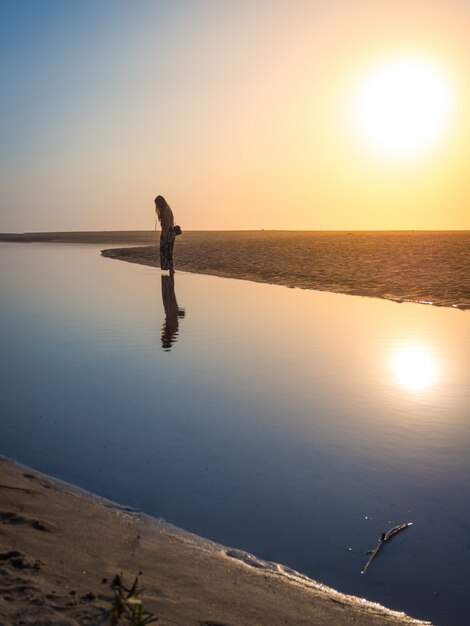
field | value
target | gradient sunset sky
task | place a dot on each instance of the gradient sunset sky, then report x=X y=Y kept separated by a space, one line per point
x=243 y=114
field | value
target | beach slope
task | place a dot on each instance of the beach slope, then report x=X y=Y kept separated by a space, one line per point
x=61 y=548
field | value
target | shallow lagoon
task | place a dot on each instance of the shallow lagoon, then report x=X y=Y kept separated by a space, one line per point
x=294 y=424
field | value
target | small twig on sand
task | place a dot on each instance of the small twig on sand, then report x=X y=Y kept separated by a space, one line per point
x=385 y=537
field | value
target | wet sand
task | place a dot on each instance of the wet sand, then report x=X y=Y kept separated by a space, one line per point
x=61 y=548
x=424 y=267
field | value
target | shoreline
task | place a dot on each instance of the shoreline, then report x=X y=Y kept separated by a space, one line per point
x=424 y=267
x=61 y=547
x=425 y=270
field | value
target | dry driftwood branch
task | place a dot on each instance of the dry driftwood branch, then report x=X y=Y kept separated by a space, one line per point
x=385 y=537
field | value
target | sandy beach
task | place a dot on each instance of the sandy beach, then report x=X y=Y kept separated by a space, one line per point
x=424 y=267
x=429 y=267
x=61 y=548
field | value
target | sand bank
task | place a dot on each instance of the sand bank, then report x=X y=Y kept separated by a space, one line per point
x=429 y=267
x=424 y=267
x=60 y=549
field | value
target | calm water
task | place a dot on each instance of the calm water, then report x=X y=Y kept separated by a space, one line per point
x=294 y=424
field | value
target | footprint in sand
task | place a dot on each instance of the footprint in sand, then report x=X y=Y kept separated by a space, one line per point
x=18 y=560
x=7 y=517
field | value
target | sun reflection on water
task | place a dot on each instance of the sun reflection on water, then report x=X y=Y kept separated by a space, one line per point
x=414 y=367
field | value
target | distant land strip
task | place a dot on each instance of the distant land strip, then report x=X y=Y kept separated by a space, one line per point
x=105 y=236
x=427 y=267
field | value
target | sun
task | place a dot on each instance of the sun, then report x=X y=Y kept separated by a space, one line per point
x=402 y=107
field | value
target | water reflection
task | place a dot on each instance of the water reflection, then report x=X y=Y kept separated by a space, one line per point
x=173 y=313
x=414 y=367
x=358 y=433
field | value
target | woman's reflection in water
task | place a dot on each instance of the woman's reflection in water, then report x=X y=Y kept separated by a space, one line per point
x=172 y=313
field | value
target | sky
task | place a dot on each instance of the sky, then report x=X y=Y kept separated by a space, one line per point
x=274 y=114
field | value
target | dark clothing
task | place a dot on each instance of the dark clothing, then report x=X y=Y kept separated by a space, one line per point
x=167 y=239
x=166 y=250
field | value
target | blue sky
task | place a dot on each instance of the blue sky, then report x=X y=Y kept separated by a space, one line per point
x=78 y=79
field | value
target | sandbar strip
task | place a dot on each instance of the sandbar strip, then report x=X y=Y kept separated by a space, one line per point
x=425 y=268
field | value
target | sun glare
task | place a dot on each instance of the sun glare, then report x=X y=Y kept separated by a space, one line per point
x=414 y=367
x=402 y=107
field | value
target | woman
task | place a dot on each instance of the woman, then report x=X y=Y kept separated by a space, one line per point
x=167 y=237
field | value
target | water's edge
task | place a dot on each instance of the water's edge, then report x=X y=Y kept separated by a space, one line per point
x=215 y=550
x=147 y=256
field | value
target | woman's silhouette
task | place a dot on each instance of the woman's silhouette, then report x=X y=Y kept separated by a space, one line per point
x=167 y=237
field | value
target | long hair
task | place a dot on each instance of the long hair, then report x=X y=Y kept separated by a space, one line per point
x=160 y=204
